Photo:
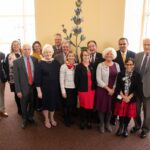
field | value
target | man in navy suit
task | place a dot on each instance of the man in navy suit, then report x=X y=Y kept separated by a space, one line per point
x=123 y=53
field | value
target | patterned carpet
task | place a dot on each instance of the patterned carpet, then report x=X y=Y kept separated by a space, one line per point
x=37 y=137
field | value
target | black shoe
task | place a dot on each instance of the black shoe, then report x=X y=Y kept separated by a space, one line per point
x=113 y=121
x=119 y=131
x=24 y=124
x=67 y=123
x=134 y=130
x=143 y=135
x=125 y=133
x=31 y=120
x=82 y=126
x=89 y=125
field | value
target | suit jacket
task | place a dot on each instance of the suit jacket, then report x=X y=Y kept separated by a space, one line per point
x=21 y=77
x=135 y=87
x=146 y=76
x=60 y=58
x=98 y=59
x=119 y=59
x=57 y=51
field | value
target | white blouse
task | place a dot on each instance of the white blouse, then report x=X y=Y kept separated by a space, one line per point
x=66 y=78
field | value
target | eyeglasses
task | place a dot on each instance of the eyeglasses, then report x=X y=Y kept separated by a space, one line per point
x=129 y=64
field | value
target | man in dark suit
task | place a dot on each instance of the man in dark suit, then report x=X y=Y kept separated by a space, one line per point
x=142 y=66
x=61 y=57
x=24 y=74
x=123 y=53
x=58 y=46
x=95 y=57
x=2 y=85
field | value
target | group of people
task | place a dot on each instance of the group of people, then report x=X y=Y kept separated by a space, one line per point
x=107 y=86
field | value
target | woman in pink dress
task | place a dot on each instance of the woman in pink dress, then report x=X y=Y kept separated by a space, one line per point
x=85 y=84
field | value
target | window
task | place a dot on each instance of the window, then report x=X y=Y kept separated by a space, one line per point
x=133 y=23
x=147 y=19
x=17 y=22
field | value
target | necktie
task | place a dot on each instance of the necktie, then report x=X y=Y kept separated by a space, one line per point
x=123 y=57
x=92 y=58
x=144 y=66
x=29 y=71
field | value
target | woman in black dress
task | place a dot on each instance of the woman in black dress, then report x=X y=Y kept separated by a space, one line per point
x=47 y=82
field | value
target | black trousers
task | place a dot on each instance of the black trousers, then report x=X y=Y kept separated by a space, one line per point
x=69 y=104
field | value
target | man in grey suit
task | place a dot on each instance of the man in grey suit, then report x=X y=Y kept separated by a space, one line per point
x=142 y=66
x=58 y=46
x=61 y=57
x=24 y=73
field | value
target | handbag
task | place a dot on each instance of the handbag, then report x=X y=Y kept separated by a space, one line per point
x=3 y=75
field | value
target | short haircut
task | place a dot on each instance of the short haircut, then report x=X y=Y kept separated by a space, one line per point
x=107 y=50
x=57 y=34
x=47 y=48
x=91 y=41
x=66 y=42
x=123 y=38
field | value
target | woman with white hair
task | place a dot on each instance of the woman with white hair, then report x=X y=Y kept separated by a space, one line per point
x=106 y=75
x=47 y=83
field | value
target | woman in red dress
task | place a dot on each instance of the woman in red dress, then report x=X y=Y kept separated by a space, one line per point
x=85 y=84
x=128 y=89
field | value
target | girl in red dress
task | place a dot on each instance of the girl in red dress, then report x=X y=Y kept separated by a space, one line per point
x=128 y=89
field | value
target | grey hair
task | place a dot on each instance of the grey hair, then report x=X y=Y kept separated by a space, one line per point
x=109 y=49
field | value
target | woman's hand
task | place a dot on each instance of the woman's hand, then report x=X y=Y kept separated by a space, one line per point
x=19 y=94
x=40 y=94
x=64 y=95
x=110 y=91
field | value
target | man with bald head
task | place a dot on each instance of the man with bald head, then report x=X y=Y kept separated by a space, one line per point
x=24 y=74
x=142 y=66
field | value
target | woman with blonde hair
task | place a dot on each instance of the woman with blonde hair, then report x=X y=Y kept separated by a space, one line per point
x=13 y=55
x=47 y=83
x=68 y=89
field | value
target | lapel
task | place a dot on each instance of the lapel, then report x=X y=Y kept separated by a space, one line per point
x=127 y=54
x=22 y=63
x=140 y=60
x=120 y=57
x=148 y=65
